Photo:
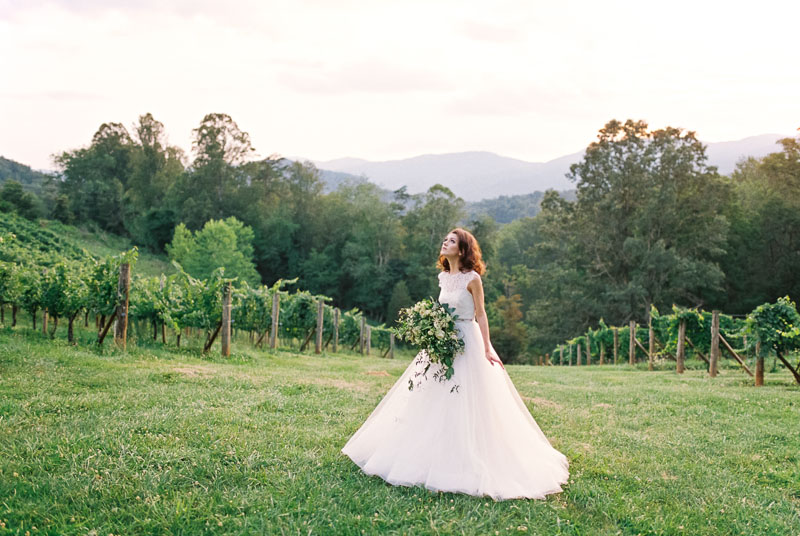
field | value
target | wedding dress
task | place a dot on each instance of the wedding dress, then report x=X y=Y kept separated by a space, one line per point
x=479 y=439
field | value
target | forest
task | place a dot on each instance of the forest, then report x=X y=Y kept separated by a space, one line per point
x=649 y=225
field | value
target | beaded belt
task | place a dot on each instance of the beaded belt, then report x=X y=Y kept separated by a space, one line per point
x=465 y=319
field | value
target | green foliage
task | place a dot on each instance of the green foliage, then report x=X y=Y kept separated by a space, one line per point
x=32 y=181
x=400 y=299
x=776 y=325
x=14 y=198
x=224 y=243
x=509 y=336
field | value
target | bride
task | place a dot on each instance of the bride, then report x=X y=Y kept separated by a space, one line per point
x=477 y=439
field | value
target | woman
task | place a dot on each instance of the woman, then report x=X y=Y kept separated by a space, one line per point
x=477 y=439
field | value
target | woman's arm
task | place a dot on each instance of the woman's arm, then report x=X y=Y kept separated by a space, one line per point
x=475 y=287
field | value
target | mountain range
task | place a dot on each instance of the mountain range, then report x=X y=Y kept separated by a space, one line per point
x=481 y=175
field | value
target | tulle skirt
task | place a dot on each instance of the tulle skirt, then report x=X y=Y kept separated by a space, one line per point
x=479 y=439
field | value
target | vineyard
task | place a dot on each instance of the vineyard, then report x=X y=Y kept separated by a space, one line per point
x=769 y=330
x=53 y=281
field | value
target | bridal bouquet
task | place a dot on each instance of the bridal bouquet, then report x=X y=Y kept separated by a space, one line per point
x=431 y=327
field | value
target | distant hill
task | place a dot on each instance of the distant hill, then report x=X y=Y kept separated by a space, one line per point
x=483 y=175
x=30 y=179
x=505 y=209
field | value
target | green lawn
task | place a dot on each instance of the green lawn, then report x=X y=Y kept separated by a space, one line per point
x=157 y=441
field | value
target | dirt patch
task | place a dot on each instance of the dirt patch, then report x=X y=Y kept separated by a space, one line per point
x=542 y=402
x=667 y=476
x=194 y=371
x=603 y=405
x=376 y=373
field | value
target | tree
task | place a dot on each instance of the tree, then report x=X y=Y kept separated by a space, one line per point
x=648 y=218
x=764 y=245
x=155 y=168
x=221 y=243
x=427 y=220
x=509 y=337
x=208 y=190
x=400 y=299
x=94 y=178
x=14 y=198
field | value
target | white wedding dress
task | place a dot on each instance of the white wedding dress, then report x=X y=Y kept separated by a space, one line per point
x=479 y=439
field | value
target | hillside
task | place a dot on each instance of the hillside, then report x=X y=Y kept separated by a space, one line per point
x=70 y=242
x=30 y=179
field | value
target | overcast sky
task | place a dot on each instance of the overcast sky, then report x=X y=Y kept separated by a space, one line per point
x=383 y=80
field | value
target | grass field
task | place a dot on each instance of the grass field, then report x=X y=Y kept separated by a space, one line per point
x=156 y=441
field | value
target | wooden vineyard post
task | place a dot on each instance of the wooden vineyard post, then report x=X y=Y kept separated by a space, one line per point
x=44 y=321
x=276 y=309
x=123 y=289
x=561 y=355
x=361 y=335
x=602 y=353
x=712 y=366
x=368 y=342
x=569 y=363
x=680 y=353
x=335 y=329
x=632 y=343
x=226 y=320
x=759 y=366
x=320 y=315
x=578 y=360
x=391 y=345
x=651 y=345
x=588 y=349
x=547 y=360
x=616 y=344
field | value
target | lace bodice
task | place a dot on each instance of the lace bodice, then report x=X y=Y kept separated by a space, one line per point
x=454 y=292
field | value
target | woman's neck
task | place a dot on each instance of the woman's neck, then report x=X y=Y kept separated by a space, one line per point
x=455 y=265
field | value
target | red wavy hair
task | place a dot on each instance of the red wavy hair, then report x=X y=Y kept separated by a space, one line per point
x=468 y=250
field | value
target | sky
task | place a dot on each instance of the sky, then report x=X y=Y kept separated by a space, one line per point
x=383 y=80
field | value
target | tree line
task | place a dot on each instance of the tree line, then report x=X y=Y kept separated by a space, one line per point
x=650 y=224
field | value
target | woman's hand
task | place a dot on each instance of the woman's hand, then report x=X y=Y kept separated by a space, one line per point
x=491 y=355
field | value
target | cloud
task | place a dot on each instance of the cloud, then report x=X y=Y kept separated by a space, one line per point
x=492 y=33
x=368 y=76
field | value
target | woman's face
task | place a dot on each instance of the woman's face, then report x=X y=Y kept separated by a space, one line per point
x=450 y=245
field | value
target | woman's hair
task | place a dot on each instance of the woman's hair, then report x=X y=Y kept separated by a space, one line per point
x=468 y=250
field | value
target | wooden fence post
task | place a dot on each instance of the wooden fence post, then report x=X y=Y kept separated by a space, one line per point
x=632 y=343
x=578 y=360
x=361 y=335
x=276 y=310
x=712 y=367
x=759 y=365
x=569 y=363
x=680 y=353
x=335 y=329
x=616 y=344
x=602 y=353
x=588 y=349
x=123 y=289
x=368 y=343
x=44 y=321
x=561 y=354
x=651 y=346
x=391 y=345
x=226 y=320
x=547 y=359
x=320 y=315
